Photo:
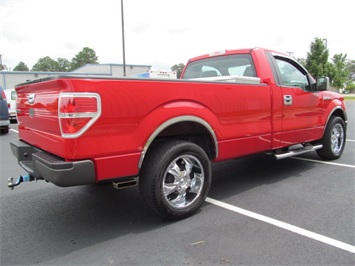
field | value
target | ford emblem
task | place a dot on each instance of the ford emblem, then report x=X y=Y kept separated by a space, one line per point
x=31 y=98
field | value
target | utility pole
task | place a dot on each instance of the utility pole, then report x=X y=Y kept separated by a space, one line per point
x=2 y=67
x=290 y=54
x=123 y=42
x=325 y=41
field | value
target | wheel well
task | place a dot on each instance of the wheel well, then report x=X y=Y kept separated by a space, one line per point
x=340 y=113
x=189 y=131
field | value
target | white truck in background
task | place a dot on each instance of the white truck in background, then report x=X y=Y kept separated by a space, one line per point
x=157 y=74
x=11 y=101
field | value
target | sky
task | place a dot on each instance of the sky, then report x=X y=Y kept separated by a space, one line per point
x=162 y=33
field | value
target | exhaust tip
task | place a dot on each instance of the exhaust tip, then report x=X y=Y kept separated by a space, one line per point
x=126 y=183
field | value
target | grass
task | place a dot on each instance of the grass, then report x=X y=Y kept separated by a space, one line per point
x=349 y=97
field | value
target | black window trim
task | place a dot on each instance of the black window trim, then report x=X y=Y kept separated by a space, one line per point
x=277 y=75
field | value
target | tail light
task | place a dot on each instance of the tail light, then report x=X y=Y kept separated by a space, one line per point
x=77 y=112
x=3 y=95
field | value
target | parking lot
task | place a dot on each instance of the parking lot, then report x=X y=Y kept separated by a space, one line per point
x=296 y=211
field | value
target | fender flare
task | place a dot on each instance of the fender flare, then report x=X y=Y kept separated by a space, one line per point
x=336 y=108
x=166 y=124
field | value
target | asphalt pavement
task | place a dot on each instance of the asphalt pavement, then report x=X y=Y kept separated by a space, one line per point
x=296 y=211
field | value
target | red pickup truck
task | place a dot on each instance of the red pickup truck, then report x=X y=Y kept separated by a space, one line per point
x=163 y=134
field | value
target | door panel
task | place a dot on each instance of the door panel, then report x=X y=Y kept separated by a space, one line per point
x=302 y=107
x=302 y=115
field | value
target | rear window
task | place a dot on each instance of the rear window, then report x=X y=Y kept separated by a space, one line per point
x=13 y=95
x=230 y=65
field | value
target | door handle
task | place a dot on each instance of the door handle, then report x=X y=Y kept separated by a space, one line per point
x=287 y=100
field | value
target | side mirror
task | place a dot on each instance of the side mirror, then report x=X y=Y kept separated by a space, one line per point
x=322 y=84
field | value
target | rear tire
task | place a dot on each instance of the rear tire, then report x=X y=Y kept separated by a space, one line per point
x=4 y=130
x=333 y=140
x=175 y=179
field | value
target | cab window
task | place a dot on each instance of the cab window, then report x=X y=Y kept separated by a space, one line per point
x=292 y=76
x=231 y=65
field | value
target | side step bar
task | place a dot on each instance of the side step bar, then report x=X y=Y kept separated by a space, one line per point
x=297 y=151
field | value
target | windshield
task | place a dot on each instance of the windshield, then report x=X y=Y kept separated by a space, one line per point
x=230 y=65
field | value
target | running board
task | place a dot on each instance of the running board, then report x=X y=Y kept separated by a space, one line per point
x=297 y=151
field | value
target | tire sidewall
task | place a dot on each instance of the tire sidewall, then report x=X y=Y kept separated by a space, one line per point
x=327 y=152
x=163 y=155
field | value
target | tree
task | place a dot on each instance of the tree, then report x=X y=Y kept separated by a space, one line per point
x=46 y=64
x=178 y=68
x=350 y=66
x=317 y=59
x=350 y=87
x=86 y=56
x=340 y=71
x=21 y=67
x=302 y=61
x=64 y=65
x=3 y=67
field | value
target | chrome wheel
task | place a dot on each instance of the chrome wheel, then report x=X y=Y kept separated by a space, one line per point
x=183 y=181
x=337 y=138
x=175 y=179
x=334 y=139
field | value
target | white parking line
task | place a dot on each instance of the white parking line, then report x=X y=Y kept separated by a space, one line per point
x=13 y=130
x=324 y=162
x=351 y=140
x=289 y=227
x=283 y=225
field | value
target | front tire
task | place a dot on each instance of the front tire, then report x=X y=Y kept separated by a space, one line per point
x=175 y=179
x=333 y=140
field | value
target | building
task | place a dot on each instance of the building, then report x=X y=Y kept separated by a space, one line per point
x=9 y=79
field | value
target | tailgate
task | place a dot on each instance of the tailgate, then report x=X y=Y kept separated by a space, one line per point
x=37 y=113
x=52 y=115
x=37 y=107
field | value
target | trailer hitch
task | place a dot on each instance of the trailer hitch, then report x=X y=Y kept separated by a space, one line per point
x=20 y=179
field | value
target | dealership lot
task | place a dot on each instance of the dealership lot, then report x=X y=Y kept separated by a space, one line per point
x=296 y=211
